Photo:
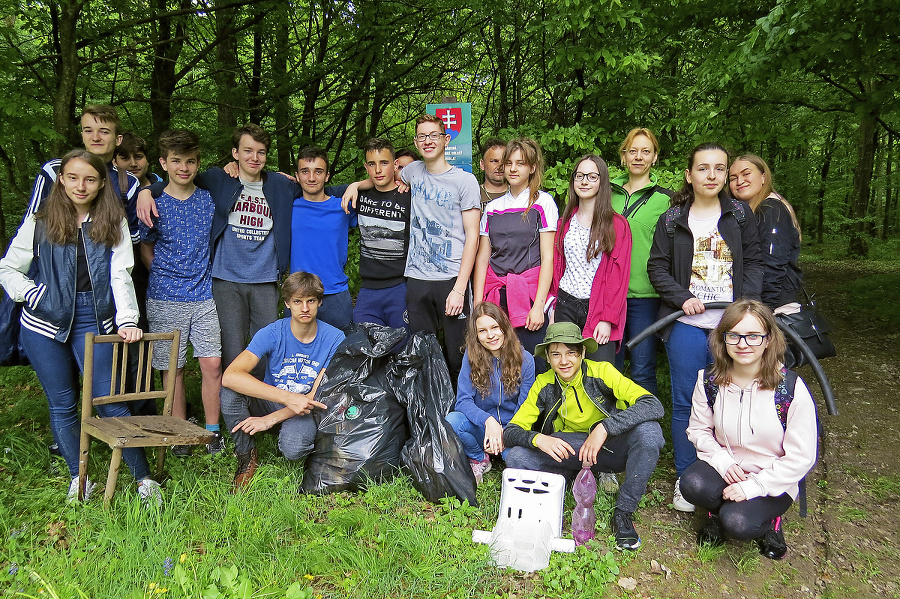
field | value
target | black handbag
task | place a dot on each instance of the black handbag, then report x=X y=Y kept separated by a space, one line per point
x=813 y=328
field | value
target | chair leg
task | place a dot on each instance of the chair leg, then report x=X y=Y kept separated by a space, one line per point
x=114 y=464
x=83 y=465
x=160 y=462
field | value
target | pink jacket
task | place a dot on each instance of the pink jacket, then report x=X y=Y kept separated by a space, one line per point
x=743 y=428
x=610 y=287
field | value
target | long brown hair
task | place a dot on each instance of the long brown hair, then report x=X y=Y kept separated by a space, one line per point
x=481 y=360
x=533 y=157
x=768 y=188
x=603 y=230
x=769 y=373
x=106 y=210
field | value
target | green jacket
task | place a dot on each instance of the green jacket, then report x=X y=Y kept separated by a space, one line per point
x=623 y=403
x=643 y=222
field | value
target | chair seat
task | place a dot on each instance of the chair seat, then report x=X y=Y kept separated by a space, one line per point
x=146 y=431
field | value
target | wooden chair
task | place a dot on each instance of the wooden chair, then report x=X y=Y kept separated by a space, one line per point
x=132 y=431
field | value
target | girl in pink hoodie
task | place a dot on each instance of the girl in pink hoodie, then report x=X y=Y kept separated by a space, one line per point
x=754 y=443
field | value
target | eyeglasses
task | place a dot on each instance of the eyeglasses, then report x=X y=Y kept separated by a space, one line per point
x=433 y=136
x=753 y=339
x=591 y=177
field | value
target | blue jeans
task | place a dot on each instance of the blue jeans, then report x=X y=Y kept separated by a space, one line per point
x=641 y=313
x=471 y=435
x=337 y=310
x=688 y=353
x=58 y=370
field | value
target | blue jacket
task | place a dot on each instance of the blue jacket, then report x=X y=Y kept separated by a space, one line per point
x=49 y=296
x=779 y=244
x=478 y=409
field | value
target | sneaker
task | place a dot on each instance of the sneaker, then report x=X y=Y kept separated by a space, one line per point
x=772 y=544
x=150 y=493
x=72 y=495
x=608 y=482
x=480 y=468
x=247 y=465
x=711 y=533
x=217 y=445
x=627 y=537
x=182 y=451
x=679 y=502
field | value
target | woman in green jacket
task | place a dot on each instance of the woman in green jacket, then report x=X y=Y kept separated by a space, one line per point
x=638 y=198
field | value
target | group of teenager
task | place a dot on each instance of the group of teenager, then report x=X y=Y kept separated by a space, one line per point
x=532 y=306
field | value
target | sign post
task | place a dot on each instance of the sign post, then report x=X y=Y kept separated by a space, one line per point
x=457 y=118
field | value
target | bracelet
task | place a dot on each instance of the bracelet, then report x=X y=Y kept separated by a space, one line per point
x=461 y=294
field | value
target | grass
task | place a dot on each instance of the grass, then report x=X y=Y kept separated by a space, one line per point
x=267 y=542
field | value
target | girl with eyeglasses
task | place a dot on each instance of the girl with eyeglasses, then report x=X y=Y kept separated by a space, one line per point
x=705 y=249
x=637 y=197
x=592 y=260
x=514 y=264
x=750 y=457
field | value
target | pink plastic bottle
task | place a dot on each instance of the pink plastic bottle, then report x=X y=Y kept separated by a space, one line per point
x=584 y=519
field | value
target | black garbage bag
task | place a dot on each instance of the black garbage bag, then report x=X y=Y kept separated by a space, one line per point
x=434 y=455
x=361 y=434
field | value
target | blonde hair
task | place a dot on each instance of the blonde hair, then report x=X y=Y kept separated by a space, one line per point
x=768 y=188
x=533 y=157
x=629 y=140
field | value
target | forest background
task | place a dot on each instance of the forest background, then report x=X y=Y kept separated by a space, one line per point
x=813 y=86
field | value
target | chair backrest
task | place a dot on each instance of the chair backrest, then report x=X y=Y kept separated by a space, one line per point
x=131 y=376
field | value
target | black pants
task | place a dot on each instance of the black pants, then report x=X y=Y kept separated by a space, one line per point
x=572 y=309
x=741 y=520
x=426 y=307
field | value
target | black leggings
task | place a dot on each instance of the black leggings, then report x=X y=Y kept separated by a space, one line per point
x=741 y=520
x=572 y=309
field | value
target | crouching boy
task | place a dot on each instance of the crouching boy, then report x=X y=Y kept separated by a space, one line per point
x=583 y=412
x=296 y=349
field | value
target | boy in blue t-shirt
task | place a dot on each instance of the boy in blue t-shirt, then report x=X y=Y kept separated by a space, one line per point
x=320 y=233
x=296 y=350
x=179 y=294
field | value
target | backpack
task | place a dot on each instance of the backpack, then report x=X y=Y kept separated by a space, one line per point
x=674 y=213
x=784 y=392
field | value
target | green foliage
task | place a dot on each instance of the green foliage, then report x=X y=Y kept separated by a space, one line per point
x=591 y=568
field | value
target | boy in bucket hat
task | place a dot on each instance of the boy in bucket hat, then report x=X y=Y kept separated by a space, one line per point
x=585 y=413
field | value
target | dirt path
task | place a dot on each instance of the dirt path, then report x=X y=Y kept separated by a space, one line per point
x=849 y=545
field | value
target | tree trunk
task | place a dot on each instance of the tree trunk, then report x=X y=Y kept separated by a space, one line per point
x=889 y=201
x=226 y=69
x=823 y=178
x=282 y=100
x=862 y=186
x=65 y=39
x=163 y=79
x=503 y=105
x=255 y=100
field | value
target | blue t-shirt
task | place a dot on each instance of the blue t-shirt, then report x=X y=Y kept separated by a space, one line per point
x=320 y=233
x=180 y=271
x=290 y=364
x=245 y=252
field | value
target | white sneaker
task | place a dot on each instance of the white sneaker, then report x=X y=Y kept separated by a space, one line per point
x=608 y=482
x=679 y=502
x=150 y=493
x=72 y=496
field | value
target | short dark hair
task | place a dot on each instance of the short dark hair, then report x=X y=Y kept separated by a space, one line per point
x=302 y=283
x=377 y=144
x=311 y=153
x=492 y=142
x=178 y=141
x=430 y=118
x=405 y=152
x=105 y=114
x=253 y=130
x=131 y=144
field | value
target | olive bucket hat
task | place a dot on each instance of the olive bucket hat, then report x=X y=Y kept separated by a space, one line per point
x=564 y=332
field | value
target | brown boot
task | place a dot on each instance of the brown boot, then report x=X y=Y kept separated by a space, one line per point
x=247 y=465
